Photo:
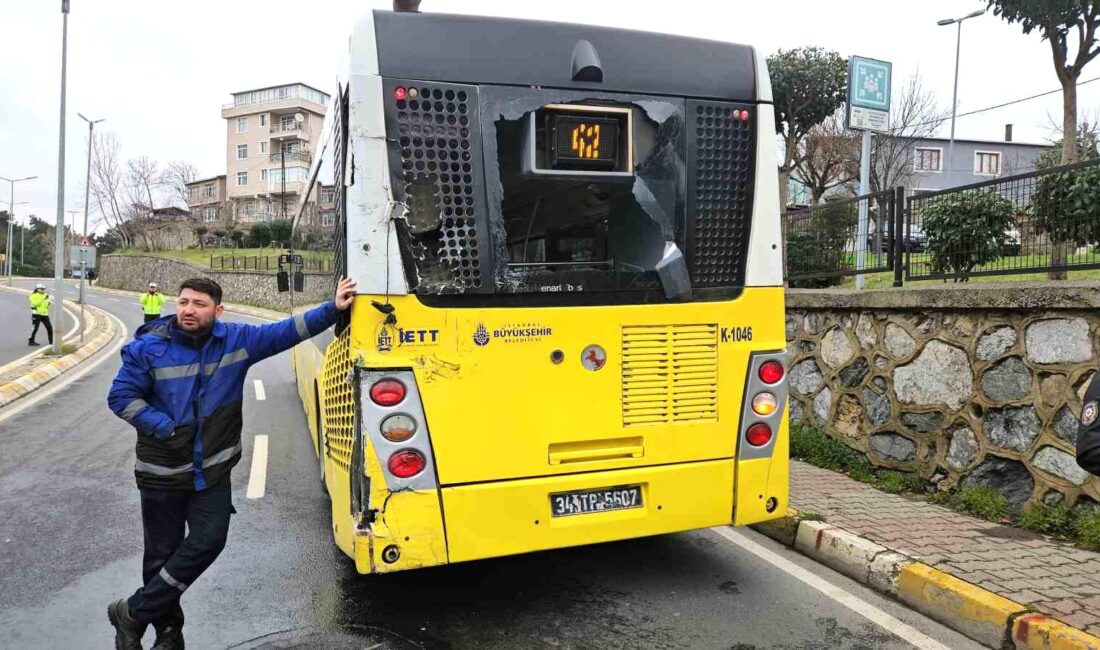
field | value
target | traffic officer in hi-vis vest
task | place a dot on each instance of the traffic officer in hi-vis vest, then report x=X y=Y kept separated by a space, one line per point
x=40 y=313
x=152 y=302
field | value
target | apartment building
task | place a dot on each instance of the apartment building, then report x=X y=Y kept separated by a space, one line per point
x=270 y=138
x=207 y=203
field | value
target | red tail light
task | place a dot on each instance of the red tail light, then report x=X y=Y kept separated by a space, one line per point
x=759 y=434
x=771 y=372
x=387 y=392
x=407 y=463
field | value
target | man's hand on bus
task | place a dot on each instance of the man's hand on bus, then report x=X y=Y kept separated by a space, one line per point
x=345 y=293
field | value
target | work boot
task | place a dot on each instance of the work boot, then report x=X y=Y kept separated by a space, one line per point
x=169 y=637
x=128 y=632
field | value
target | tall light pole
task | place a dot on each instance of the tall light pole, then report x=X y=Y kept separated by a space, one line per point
x=59 y=228
x=11 y=219
x=87 y=190
x=955 y=94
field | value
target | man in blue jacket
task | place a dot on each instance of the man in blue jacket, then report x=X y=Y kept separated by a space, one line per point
x=181 y=385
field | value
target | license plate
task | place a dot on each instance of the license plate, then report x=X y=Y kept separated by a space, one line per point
x=582 y=502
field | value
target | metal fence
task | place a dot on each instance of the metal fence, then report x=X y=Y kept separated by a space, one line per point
x=264 y=263
x=1041 y=221
x=821 y=241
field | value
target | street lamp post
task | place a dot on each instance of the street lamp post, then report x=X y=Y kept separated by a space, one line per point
x=87 y=191
x=59 y=233
x=11 y=221
x=955 y=92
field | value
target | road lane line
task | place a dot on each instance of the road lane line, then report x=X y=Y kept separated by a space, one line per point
x=868 y=611
x=114 y=300
x=260 y=394
x=24 y=403
x=257 y=478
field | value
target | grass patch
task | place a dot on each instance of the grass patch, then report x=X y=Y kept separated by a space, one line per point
x=893 y=482
x=811 y=516
x=862 y=470
x=1058 y=521
x=814 y=446
x=1087 y=528
x=981 y=501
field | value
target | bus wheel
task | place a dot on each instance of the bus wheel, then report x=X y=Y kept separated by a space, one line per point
x=319 y=421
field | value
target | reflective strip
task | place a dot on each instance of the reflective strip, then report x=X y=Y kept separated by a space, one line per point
x=221 y=456
x=172 y=581
x=179 y=372
x=228 y=359
x=132 y=409
x=176 y=372
x=300 y=325
x=160 y=470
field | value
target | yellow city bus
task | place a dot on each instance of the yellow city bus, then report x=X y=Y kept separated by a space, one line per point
x=570 y=326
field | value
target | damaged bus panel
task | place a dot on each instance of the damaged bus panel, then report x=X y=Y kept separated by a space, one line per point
x=570 y=326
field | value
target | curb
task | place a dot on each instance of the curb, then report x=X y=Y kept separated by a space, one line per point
x=45 y=373
x=983 y=616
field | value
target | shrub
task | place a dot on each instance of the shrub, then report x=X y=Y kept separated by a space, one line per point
x=1066 y=206
x=966 y=230
x=1087 y=528
x=818 y=241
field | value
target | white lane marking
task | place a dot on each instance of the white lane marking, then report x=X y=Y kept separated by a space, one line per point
x=852 y=602
x=114 y=300
x=58 y=385
x=257 y=478
x=260 y=394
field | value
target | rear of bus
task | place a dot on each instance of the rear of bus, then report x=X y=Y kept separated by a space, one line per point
x=570 y=327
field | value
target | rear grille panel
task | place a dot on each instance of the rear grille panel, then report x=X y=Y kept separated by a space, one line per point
x=669 y=374
x=721 y=175
x=338 y=401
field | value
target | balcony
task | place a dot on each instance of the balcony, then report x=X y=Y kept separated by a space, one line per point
x=292 y=187
x=292 y=157
x=288 y=129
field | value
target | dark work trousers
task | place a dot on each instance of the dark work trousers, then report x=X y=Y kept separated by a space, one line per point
x=174 y=561
x=44 y=321
x=149 y=317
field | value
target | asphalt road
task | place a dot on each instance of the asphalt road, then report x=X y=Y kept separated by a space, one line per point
x=70 y=541
x=15 y=325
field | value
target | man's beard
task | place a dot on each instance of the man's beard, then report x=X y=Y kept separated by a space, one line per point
x=201 y=328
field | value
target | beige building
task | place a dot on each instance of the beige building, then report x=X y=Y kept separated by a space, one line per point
x=269 y=130
x=207 y=202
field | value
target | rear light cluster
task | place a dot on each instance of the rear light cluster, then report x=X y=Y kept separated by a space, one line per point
x=398 y=428
x=765 y=403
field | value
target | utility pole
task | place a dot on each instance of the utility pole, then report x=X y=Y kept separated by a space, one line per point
x=87 y=191
x=950 y=166
x=59 y=241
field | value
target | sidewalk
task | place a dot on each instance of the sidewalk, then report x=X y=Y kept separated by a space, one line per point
x=1052 y=578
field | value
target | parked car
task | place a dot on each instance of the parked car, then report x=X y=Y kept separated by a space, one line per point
x=1012 y=245
x=916 y=242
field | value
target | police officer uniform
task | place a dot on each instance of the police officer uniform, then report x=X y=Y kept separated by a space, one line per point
x=40 y=314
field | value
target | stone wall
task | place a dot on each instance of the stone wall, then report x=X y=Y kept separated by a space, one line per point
x=134 y=272
x=966 y=384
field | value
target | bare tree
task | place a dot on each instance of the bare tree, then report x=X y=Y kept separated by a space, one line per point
x=108 y=188
x=916 y=115
x=175 y=178
x=829 y=157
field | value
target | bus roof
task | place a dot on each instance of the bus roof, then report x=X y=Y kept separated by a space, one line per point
x=486 y=50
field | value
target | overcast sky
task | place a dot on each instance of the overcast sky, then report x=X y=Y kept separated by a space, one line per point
x=159 y=72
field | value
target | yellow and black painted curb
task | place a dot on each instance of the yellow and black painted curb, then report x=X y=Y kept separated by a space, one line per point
x=99 y=324
x=981 y=615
